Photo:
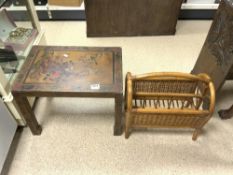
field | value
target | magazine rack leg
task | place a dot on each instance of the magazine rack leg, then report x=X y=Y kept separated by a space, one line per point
x=195 y=134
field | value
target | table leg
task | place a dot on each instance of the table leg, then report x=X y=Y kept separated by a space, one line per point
x=227 y=113
x=118 y=114
x=28 y=114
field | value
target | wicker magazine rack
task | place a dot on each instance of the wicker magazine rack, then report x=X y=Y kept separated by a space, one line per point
x=170 y=100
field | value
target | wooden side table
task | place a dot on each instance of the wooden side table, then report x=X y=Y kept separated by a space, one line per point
x=54 y=71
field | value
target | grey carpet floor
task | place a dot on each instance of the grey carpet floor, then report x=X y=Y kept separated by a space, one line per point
x=77 y=135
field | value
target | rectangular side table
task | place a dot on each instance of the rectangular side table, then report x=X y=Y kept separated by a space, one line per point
x=55 y=71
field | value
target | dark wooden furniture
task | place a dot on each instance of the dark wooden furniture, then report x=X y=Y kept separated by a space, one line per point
x=53 y=71
x=169 y=100
x=226 y=113
x=216 y=57
x=131 y=17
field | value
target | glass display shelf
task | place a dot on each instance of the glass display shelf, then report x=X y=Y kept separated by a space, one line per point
x=19 y=37
x=9 y=70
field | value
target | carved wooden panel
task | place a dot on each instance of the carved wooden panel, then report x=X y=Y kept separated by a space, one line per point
x=216 y=57
x=230 y=74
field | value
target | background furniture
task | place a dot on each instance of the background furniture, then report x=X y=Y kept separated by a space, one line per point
x=6 y=79
x=65 y=2
x=192 y=9
x=53 y=71
x=131 y=17
x=172 y=100
x=23 y=2
x=216 y=56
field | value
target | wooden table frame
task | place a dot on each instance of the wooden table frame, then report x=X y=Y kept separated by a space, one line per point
x=21 y=91
x=29 y=116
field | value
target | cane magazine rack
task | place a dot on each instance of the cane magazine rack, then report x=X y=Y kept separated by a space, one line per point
x=169 y=100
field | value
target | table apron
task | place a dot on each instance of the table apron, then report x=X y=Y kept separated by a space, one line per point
x=69 y=94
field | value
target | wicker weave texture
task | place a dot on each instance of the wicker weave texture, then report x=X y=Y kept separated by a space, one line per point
x=176 y=100
x=166 y=120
